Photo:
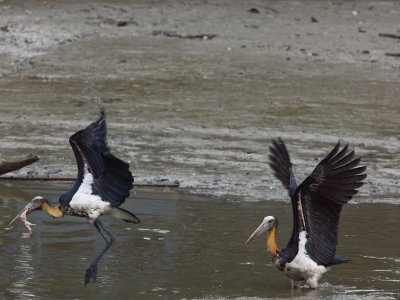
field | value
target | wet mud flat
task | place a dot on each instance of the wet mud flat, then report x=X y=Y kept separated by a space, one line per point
x=209 y=123
x=203 y=111
x=187 y=247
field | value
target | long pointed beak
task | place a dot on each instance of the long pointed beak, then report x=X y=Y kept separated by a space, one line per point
x=21 y=215
x=260 y=230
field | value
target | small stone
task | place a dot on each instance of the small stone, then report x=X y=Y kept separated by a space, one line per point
x=254 y=10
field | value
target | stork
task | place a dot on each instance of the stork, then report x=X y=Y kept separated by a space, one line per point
x=316 y=203
x=101 y=186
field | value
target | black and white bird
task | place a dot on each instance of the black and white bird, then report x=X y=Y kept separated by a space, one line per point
x=316 y=204
x=101 y=186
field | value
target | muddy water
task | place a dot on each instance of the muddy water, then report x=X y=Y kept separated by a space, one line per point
x=187 y=247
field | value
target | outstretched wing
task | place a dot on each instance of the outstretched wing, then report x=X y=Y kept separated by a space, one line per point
x=112 y=179
x=282 y=168
x=320 y=198
x=281 y=165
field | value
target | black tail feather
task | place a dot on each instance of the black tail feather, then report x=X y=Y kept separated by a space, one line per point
x=339 y=260
x=124 y=215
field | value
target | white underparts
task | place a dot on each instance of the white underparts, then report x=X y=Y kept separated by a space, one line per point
x=302 y=267
x=85 y=201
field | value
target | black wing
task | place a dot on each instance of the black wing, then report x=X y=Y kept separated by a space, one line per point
x=320 y=198
x=282 y=168
x=112 y=179
x=281 y=165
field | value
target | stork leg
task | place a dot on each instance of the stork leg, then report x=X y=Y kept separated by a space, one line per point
x=91 y=272
x=295 y=284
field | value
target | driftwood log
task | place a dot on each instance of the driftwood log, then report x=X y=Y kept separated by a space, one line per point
x=9 y=166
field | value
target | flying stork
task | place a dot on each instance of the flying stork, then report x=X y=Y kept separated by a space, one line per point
x=316 y=204
x=101 y=186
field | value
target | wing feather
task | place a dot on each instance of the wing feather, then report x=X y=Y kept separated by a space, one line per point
x=333 y=183
x=66 y=197
x=281 y=165
x=112 y=179
x=282 y=169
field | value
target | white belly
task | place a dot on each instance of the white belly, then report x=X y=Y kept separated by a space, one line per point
x=302 y=267
x=84 y=201
x=90 y=204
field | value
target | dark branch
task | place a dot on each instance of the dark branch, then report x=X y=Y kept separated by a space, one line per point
x=13 y=165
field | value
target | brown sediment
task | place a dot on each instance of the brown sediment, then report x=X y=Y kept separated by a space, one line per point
x=202 y=111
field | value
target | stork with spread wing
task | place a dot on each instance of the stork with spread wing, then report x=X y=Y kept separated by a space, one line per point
x=316 y=204
x=102 y=184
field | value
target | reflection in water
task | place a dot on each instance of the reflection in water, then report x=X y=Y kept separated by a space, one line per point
x=189 y=247
x=23 y=266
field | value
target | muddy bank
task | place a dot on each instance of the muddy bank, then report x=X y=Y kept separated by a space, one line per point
x=203 y=110
x=361 y=32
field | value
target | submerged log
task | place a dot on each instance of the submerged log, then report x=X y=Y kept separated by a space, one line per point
x=9 y=166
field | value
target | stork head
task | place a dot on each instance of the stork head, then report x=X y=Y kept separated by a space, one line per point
x=267 y=224
x=35 y=204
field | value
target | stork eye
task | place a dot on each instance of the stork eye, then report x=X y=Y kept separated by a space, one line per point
x=38 y=201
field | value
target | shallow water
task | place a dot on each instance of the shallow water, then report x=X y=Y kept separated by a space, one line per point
x=187 y=247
